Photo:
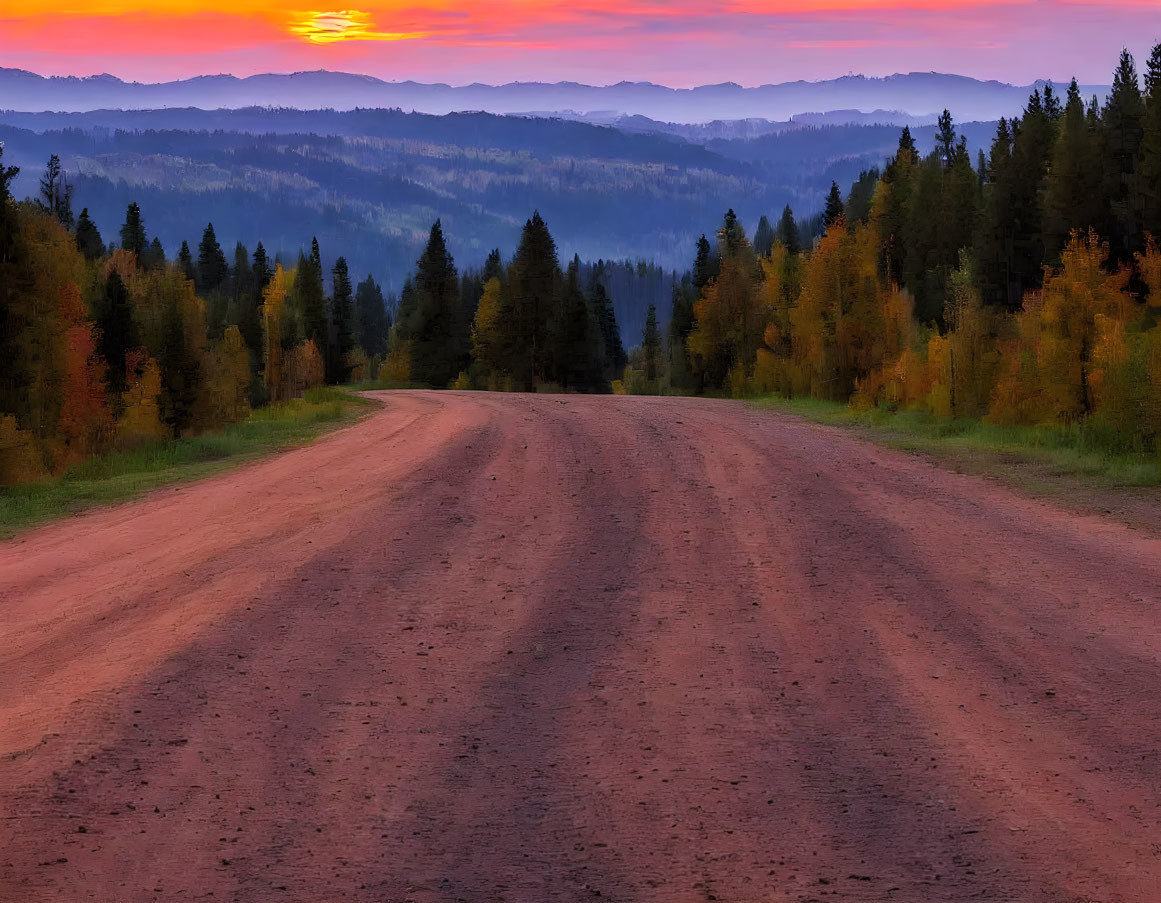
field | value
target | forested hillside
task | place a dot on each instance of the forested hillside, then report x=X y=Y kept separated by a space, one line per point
x=1025 y=289
x=373 y=181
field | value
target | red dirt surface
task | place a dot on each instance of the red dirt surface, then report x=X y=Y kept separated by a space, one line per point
x=519 y=648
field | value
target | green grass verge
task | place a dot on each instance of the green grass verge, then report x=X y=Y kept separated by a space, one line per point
x=126 y=474
x=1043 y=460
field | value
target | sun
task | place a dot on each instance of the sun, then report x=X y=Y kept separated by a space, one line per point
x=345 y=25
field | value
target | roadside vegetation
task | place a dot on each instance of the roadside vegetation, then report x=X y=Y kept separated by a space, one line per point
x=1075 y=466
x=127 y=473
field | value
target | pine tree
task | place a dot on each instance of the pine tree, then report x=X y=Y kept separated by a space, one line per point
x=343 y=314
x=89 y=240
x=907 y=147
x=899 y=177
x=372 y=322
x=133 y=231
x=262 y=269
x=861 y=196
x=612 y=350
x=118 y=331
x=1122 y=131
x=763 y=237
x=1052 y=108
x=310 y=296
x=994 y=241
x=705 y=264
x=833 y=214
x=788 y=232
x=185 y=262
x=578 y=357
x=212 y=270
x=55 y=193
x=945 y=140
x=246 y=313
x=681 y=323
x=154 y=256
x=1150 y=165
x=651 y=344
x=534 y=287
x=439 y=341
x=1072 y=199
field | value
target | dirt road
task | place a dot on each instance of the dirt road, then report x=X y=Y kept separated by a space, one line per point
x=525 y=649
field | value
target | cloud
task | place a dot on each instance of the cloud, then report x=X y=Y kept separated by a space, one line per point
x=346 y=25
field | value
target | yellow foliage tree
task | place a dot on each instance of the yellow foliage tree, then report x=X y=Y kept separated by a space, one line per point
x=1047 y=375
x=273 y=304
x=140 y=418
x=227 y=381
x=305 y=369
x=487 y=331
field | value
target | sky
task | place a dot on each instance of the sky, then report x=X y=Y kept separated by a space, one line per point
x=674 y=42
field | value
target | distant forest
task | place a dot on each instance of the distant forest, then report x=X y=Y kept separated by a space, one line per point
x=1021 y=284
x=369 y=183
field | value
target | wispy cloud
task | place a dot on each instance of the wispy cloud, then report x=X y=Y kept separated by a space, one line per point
x=346 y=25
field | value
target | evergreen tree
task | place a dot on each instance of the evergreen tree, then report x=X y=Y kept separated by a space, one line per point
x=899 y=176
x=1052 y=108
x=907 y=146
x=89 y=240
x=246 y=313
x=1151 y=148
x=493 y=266
x=133 y=231
x=763 y=237
x=440 y=343
x=56 y=195
x=681 y=323
x=1072 y=199
x=310 y=297
x=833 y=214
x=861 y=195
x=731 y=235
x=651 y=344
x=262 y=269
x=534 y=287
x=212 y=270
x=372 y=322
x=118 y=331
x=1122 y=131
x=185 y=262
x=579 y=364
x=612 y=350
x=995 y=240
x=945 y=138
x=788 y=232
x=344 y=315
x=705 y=264
x=154 y=256
x=241 y=280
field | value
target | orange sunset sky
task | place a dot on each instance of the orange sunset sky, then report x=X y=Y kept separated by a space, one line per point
x=680 y=43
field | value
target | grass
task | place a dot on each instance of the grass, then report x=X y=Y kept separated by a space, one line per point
x=1071 y=465
x=128 y=473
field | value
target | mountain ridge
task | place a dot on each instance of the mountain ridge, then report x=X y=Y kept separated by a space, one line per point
x=916 y=94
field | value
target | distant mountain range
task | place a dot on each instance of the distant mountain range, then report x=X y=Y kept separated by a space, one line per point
x=858 y=99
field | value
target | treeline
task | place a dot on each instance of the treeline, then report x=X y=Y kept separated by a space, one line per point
x=114 y=346
x=1025 y=288
x=521 y=326
x=106 y=346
